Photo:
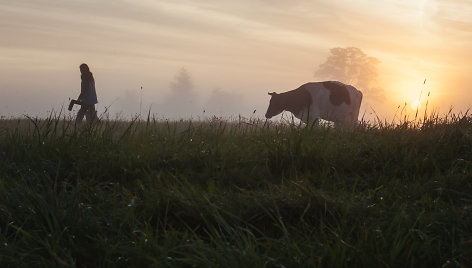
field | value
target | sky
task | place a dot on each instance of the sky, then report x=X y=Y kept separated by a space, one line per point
x=232 y=51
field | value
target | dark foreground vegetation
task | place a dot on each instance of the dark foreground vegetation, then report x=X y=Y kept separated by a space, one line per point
x=235 y=194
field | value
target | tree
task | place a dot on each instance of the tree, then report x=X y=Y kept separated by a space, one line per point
x=182 y=84
x=182 y=98
x=352 y=66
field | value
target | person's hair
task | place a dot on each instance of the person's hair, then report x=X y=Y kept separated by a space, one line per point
x=86 y=74
x=84 y=68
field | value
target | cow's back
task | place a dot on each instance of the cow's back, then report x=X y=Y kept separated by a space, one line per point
x=334 y=101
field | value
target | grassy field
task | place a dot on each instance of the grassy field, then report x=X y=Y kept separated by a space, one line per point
x=245 y=193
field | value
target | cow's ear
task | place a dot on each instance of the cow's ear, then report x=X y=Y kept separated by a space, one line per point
x=272 y=94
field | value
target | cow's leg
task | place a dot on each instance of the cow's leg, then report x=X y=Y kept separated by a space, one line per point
x=315 y=122
x=344 y=123
x=310 y=116
x=348 y=123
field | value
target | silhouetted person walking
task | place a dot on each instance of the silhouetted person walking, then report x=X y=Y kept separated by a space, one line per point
x=88 y=96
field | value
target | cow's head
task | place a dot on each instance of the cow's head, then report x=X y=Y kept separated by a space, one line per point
x=275 y=105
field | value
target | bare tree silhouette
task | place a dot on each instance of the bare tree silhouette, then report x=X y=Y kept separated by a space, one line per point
x=352 y=66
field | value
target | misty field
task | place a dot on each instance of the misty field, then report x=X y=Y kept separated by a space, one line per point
x=242 y=193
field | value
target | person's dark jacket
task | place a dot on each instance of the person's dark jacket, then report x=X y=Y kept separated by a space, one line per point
x=88 y=95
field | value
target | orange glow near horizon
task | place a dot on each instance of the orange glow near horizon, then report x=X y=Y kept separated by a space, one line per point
x=405 y=85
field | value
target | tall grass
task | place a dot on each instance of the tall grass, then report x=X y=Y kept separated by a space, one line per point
x=242 y=193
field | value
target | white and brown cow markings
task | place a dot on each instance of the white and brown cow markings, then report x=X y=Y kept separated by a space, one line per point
x=337 y=93
x=329 y=100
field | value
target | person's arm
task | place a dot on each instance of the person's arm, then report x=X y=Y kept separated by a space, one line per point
x=84 y=88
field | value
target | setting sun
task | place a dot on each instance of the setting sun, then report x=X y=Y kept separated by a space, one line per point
x=415 y=104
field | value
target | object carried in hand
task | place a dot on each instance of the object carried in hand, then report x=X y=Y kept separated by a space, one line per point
x=72 y=102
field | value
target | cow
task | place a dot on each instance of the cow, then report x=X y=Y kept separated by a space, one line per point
x=330 y=100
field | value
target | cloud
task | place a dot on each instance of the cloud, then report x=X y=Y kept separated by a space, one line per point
x=452 y=18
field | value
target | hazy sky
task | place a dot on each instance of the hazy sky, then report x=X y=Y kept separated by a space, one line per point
x=231 y=49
